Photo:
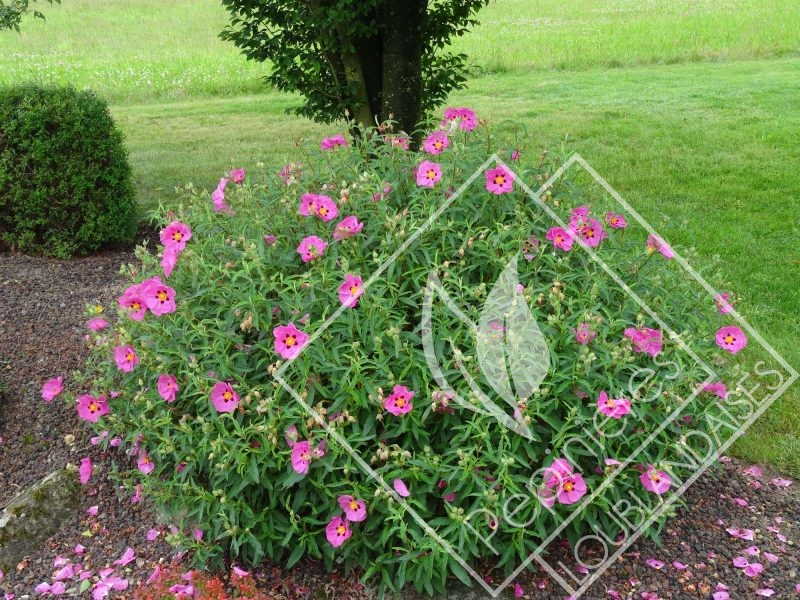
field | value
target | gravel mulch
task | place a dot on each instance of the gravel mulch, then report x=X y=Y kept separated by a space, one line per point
x=42 y=325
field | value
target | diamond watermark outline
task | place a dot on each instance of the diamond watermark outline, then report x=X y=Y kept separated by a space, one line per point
x=494 y=160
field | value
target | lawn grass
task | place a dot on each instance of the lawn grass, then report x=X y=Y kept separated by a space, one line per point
x=703 y=142
x=146 y=50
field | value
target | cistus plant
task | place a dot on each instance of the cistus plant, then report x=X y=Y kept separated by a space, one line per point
x=277 y=266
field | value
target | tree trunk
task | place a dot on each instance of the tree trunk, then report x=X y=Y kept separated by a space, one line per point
x=402 y=22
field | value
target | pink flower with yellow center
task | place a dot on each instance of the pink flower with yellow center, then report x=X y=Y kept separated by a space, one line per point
x=91 y=408
x=616 y=221
x=645 y=340
x=571 y=489
x=160 y=298
x=731 y=338
x=301 y=457
x=338 y=532
x=561 y=238
x=133 y=302
x=436 y=142
x=223 y=397
x=655 y=481
x=289 y=340
x=126 y=358
x=175 y=235
x=428 y=173
x=722 y=304
x=591 y=232
x=656 y=243
x=52 y=388
x=611 y=407
x=466 y=119
x=350 y=291
x=499 y=180
x=347 y=228
x=326 y=208
x=167 y=387
x=311 y=248
x=583 y=334
x=144 y=464
x=354 y=510
x=333 y=142
x=308 y=204
x=399 y=402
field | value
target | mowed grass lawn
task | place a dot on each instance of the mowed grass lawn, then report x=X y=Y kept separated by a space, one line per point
x=690 y=109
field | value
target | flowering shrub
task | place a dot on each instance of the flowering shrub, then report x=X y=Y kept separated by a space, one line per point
x=277 y=267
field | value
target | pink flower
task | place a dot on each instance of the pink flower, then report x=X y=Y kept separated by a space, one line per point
x=133 y=301
x=301 y=457
x=97 y=324
x=655 y=564
x=91 y=408
x=436 y=142
x=515 y=155
x=144 y=464
x=561 y=239
x=354 y=510
x=175 y=235
x=616 y=221
x=399 y=402
x=591 y=232
x=583 y=334
x=160 y=298
x=126 y=358
x=645 y=340
x=656 y=243
x=556 y=472
x=270 y=239
x=320 y=205
x=731 y=338
x=613 y=408
x=428 y=173
x=465 y=118
x=398 y=141
x=721 y=301
x=167 y=387
x=218 y=197
x=350 y=291
x=311 y=247
x=741 y=533
x=346 y=228
x=753 y=569
x=85 y=470
x=338 y=532
x=334 y=141
x=654 y=481
x=237 y=175
x=499 y=180
x=127 y=557
x=571 y=489
x=289 y=340
x=718 y=389
x=401 y=489
x=169 y=259
x=223 y=397
x=52 y=388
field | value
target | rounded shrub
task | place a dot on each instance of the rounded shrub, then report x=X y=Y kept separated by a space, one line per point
x=288 y=374
x=65 y=182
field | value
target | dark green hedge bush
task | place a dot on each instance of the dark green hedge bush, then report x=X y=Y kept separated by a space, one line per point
x=65 y=182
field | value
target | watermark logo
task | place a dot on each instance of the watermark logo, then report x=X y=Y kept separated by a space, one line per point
x=511 y=350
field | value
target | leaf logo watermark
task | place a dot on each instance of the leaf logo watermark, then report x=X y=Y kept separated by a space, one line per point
x=512 y=353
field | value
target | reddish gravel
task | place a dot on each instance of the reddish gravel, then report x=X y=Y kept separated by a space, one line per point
x=42 y=327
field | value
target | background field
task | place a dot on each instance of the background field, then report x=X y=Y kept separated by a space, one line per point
x=689 y=108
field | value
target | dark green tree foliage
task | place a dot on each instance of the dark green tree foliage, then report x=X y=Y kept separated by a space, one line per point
x=65 y=181
x=12 y=11
x=370 y=60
